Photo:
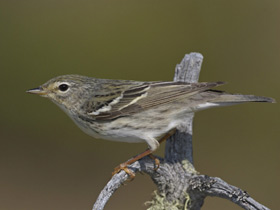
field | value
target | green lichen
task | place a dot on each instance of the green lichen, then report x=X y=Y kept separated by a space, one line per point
x=188 y=167
x=159 y=202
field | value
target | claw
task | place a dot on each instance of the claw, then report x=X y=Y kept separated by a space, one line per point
x=157 y=161
x=123 y=166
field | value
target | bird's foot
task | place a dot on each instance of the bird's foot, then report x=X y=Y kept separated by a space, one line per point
x=157 y=161
x=123 y=166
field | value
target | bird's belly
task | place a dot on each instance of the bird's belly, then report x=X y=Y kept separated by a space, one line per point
x=136 y=128
x=103 y=131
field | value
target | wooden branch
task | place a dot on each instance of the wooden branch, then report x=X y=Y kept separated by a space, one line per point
x=179 y=185
x=179 y=146
x=214 y=186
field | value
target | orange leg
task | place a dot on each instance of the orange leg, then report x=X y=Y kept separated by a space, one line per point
x=124 y=165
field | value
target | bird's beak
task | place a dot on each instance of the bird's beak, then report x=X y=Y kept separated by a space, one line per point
x=38 y=91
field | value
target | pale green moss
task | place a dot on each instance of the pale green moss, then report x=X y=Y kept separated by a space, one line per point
x=160 y=203
x=189 y=167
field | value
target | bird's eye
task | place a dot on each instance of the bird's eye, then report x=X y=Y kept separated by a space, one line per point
x=63 y=87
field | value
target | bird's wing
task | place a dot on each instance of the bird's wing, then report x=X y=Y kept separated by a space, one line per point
x=138 y=98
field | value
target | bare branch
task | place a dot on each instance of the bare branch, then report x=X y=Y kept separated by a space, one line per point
x=145 y=165
x=213 y=186
x=179 y=146
x=179 y=185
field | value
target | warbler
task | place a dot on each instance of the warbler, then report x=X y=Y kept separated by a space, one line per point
x=134 y=111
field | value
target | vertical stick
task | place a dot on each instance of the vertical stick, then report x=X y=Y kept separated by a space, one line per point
x=179 y=146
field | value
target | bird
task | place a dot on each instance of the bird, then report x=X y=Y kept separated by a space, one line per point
x=134 y=111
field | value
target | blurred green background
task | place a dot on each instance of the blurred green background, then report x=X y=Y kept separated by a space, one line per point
x=48 y=163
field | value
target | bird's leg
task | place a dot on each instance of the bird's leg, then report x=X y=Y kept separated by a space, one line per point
x=124 y=165
x=165 y=137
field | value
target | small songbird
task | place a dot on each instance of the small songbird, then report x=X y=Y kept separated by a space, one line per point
x=133 y=111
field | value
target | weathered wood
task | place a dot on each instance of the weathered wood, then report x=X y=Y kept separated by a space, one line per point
x=179 y=185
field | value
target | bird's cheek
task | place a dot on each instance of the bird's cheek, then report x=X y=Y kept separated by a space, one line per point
x=53 y=97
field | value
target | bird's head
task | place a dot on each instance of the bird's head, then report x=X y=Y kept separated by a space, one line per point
x=66 y=90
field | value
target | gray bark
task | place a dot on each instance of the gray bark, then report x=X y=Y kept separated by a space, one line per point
x=179 y=184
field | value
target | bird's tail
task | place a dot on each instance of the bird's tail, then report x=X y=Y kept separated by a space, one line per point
x=223 y=98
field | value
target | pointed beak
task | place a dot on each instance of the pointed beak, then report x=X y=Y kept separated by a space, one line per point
x=37 y=91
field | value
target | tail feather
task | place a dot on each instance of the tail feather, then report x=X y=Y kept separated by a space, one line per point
x=215 y=98
x=238 y=98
